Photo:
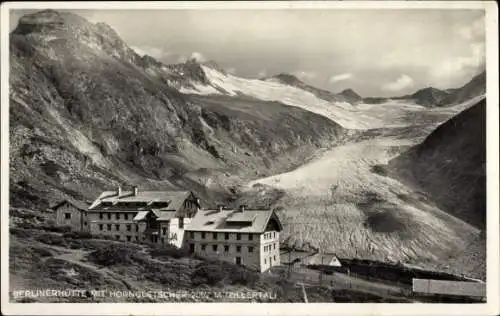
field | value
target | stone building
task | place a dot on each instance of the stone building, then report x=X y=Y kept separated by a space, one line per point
x=152 y=216
x=241 y=236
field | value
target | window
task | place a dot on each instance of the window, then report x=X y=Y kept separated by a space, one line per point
x=136 y=227
x=274 y=246
x=117 y=215
x=125 y=216
x=162 y=240
x=117 y=237
x=203 y=235
x=215 y=236
x=250 y=236
x=238 y=248
x=164 y=230
x=226 y=248
x=109 y=226
x=238 y=260
x=181 y=222
x=117 y=226
x=109 y=215
x=274 y=235
x=203 y=247
x=274 y=258
x=226 y=236
x=191 y=247
x=265 y=261
x=129 y=238
x=67 y=215
x=136 y=238
x=84 y=223
x=129 y=227
x=101 y=215
x=100 y=226
x=192 y=235
x=238 y=236
x=250 y=249
x=214 y=247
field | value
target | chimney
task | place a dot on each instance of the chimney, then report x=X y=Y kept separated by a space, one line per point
x=119 y=191
x=134 y=189
x=242 y=207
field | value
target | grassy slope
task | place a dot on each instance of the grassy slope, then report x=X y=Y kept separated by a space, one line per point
x=40 y=260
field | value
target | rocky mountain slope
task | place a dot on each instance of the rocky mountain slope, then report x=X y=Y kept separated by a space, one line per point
x=88 y=113
x=450 y=164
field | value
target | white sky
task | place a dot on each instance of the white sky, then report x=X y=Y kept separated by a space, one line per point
x=375 y=52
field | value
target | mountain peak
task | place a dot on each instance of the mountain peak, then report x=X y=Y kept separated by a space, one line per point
x=288 y=79
x=48 y=20
x=350 y=94
x=213 y=65
x=49 y=27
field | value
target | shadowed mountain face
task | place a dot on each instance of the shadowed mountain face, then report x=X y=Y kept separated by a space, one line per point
x=87 y=113
x=451 y=165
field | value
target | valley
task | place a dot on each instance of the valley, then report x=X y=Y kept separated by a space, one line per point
x=386 y=180
x=340 y=202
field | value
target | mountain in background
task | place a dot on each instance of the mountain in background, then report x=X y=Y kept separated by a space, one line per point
x=87 y=114
x=351 y=96
x=293 y=81
x=450 y=165
x=433 y=97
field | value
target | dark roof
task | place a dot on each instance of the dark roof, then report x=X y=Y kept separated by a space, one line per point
x=77 y=204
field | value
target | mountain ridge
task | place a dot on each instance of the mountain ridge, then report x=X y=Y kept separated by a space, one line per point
x=88 y=113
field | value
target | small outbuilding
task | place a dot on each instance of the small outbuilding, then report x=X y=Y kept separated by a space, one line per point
x=71 y=213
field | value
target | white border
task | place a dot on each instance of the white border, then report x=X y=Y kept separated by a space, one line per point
x=493 y=280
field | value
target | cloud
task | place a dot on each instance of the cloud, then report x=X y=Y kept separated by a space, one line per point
x=469 y=63
x=340 y=77
x=262 y=73
x=152 y=51
x=401 y=83
x=231 y=71
x=474 y=31
x=199 y=57
x=304 y=75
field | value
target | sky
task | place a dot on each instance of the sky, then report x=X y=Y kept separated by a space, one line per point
x=374 y=52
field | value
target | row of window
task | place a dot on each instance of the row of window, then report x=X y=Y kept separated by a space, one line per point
x=215 y=236
x=270 y=260
x=117 y=227
x=268 y=248
x=126 y=216
x=129 y=238
x=226 y=248
x=270 y=235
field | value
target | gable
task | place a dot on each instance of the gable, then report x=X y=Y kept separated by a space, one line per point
x=274 y=223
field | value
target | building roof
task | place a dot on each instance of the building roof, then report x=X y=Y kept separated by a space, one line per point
x=77 y=204
x=247 y=221
x=325 y=259
x=173 y=200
